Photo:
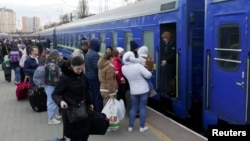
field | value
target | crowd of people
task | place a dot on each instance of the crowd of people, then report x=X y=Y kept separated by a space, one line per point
x=87 y=76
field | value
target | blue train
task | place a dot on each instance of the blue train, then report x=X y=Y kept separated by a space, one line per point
x=212 y=51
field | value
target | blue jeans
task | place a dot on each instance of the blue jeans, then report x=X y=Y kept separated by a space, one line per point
x=150 y=84
x=17 y=73
x=51 y=105
x=95 y=94
x=140 y=101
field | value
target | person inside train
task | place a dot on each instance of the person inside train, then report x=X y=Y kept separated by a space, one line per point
x=168 y=62
x=71 y=89
x=106 y=75
x=92 y=58
x=139 y=89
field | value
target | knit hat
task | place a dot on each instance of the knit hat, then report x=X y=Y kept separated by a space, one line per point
x=133 y=45
x=54 y=53
x=143 y=51
x=119 y=49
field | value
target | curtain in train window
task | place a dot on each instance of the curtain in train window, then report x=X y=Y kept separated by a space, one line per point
x=228 y=51
x=114 y=39
x=148 y=40
x=128 y=37
x=92 y=36
x=103 y=42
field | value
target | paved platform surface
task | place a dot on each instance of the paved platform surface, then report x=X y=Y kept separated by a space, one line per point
x=18 y=122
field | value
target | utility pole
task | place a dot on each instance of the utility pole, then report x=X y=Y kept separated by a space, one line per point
x=100 y=6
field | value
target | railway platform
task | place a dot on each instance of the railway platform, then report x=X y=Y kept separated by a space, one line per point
x=18 y=122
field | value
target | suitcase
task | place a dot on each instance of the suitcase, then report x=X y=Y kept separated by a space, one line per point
x=22 y=90
x=37 y=99
x=99 y=123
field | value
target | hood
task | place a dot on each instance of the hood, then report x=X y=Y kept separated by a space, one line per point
x=143 y=51
x=102 y=62
x=126 y=57
x=66 y=70
x=95 y=45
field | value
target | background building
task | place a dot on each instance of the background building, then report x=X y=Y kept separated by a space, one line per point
x=30 y=24
x=7 y=21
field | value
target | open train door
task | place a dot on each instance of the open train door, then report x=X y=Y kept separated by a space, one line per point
x=229 y=76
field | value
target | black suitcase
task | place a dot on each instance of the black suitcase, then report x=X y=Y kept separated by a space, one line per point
x=38 y=99
x=99 y=123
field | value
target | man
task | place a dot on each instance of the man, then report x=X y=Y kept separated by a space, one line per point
x=92 y=58
x=169 y=62
x=31 y=63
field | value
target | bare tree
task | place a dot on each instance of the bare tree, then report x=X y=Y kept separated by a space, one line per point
x=83 y=10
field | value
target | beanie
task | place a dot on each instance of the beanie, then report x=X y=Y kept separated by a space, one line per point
x=133 y=45
x=54 y=53
x=119 y=49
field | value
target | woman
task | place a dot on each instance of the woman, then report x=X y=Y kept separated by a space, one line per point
x=71 y=89
x=139 y=89
x=106 y=75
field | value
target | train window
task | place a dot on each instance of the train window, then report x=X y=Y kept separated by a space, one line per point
x=128 y=37
x=103 y=42
x=114 y=39
x=148 y=40
x=214 y=1
x=92 y=36
x=228 y=51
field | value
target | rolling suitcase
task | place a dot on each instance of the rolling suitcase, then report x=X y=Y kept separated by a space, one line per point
x=22 y=90
x=37 y=99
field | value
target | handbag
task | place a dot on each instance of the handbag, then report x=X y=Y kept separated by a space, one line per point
x=77 y=113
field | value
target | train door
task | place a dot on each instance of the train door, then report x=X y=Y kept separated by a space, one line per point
x=170 y=27
x=228 y=66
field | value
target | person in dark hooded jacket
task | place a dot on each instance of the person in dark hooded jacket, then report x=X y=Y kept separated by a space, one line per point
x=92 y=58
x=71 y=89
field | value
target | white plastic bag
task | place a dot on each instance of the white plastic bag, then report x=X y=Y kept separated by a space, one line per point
x=121 y=108
x=111 y=111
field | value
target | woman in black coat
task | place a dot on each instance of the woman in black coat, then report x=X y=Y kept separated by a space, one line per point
x=71 y=89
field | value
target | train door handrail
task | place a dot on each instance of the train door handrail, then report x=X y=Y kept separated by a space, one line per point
x=207 y=78
x=247 y=89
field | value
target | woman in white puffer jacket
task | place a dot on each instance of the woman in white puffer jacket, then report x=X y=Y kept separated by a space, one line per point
x=139 y=89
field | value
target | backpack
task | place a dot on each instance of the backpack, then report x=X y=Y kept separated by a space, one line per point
x=149 y=64
x=52 y=74
x=39 y=76
x=14 y=56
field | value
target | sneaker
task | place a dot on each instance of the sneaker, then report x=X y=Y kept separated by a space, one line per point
x=143 y=129
x=58 y=116
x=54 y=121
x=130 y=129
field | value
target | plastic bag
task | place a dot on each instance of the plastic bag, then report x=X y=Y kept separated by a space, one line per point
x=111 y=111
x=121 y=108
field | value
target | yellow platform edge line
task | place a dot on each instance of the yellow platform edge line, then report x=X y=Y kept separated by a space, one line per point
x=158 y=133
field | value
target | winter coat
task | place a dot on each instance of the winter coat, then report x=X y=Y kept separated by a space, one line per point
x=118 y=70
x=106 y=74
x=72 y=88
x=136 y=75
x=92 y=58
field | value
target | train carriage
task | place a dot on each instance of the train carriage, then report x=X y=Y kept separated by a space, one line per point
x=226 y=83
x=144 y=22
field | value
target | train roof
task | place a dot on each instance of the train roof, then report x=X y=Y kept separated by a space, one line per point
x=147 y=7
